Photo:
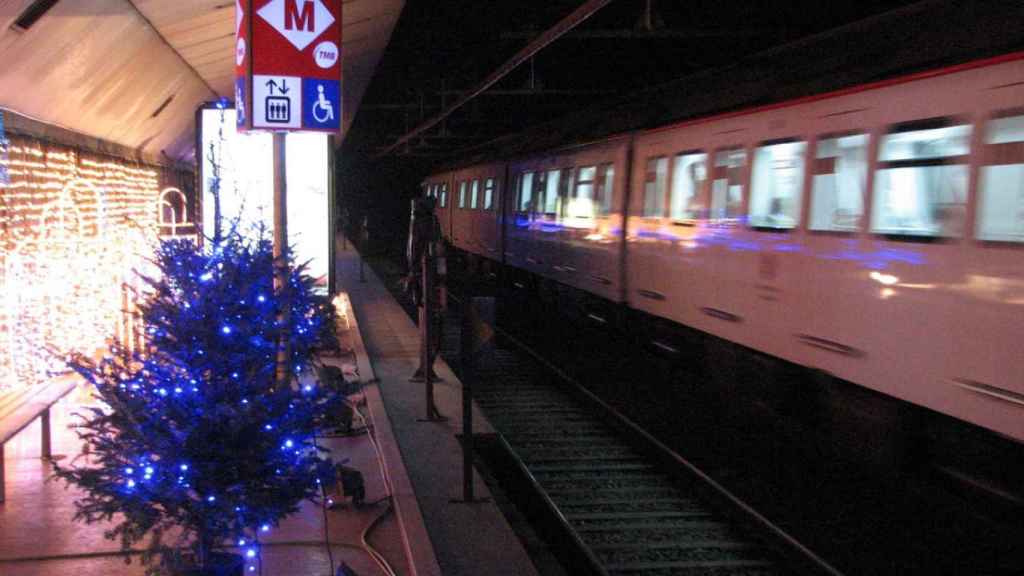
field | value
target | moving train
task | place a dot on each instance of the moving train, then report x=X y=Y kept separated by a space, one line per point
x=875 y=234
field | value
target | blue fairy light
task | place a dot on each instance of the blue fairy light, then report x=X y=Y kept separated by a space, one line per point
x=211 y=498
x=131 y=483
x=250 y=553
x=288 y=443
x=129 y=470
x=265 y=528
x=184 y=467
x=241 y=541
x=226 y=329
x=149 y=470
x=206 y=277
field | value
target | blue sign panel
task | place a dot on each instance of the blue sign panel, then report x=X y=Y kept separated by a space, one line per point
x=321 y=104
x=4 y=174
x=240 y=102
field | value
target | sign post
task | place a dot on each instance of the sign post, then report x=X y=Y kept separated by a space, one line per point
x=287 y=79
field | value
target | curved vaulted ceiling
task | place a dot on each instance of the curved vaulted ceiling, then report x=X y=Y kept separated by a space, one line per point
x=133 y=72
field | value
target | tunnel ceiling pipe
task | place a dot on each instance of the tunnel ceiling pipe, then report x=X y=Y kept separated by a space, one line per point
x=554 y=33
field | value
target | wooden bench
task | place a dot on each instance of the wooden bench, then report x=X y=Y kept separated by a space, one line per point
x=19 y=408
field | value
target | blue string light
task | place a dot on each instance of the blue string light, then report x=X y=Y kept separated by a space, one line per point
x=212 y=331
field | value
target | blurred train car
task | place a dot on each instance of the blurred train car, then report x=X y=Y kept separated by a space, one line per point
x=875 y=234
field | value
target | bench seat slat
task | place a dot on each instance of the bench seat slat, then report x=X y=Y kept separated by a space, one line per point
x=17 y=419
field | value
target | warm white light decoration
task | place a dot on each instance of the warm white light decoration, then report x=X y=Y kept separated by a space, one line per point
x=174 y=216
x=72 y=229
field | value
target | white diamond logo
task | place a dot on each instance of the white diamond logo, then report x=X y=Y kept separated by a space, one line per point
x=299 y=21
x=239 y=14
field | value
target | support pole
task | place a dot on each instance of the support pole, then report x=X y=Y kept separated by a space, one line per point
x=476 y=341
x=281 y=250
x=426 y=333
x=364 y=239
x=3 y=489
x=47 y=451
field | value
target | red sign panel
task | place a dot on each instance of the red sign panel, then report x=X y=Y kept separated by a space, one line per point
x=289 y=65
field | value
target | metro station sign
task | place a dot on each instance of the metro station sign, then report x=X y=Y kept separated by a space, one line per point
x=288 y=65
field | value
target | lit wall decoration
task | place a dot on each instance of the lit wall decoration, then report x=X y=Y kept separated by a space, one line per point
x=73 y=227
x=174 y=218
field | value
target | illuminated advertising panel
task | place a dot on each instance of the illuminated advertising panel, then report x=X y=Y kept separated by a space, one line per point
x=241 y=167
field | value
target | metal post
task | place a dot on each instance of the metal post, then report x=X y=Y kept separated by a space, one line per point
x=45 y=421
x=3 y=490
x=364 y=240
x=476 y=340
x=281 y=249
x=426 y=321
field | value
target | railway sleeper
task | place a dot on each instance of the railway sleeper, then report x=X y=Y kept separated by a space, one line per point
x=655 y=507
x=554 y=456
x=621 y=516
x=601 y=469
x=704 y=568
x=615 y=525
x=637 y=501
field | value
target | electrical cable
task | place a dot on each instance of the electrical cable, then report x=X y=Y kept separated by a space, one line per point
x=323 y=510
x=389 y=496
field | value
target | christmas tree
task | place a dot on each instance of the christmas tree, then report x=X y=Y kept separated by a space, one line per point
x=205 y=437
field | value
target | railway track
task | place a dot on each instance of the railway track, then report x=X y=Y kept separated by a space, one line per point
x=615 y=500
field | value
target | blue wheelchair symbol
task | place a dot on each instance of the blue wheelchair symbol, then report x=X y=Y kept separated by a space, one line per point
x=321 y=106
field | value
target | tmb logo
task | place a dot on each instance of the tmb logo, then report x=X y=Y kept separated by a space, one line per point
x=299 y=21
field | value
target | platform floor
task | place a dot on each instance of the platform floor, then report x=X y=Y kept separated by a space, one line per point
x=38 y=536
x=468 y=539
x=426 y=534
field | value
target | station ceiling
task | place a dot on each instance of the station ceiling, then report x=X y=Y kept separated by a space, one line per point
x=441 y=50
x=133 y=72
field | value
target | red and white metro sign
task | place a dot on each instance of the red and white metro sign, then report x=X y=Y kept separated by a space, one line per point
x=288 y=65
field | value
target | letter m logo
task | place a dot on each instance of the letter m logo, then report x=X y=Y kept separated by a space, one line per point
x=295 y=20
x=299 y=21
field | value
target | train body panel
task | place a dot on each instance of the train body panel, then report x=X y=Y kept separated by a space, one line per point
x=439 y=187
x=876 y=234
x=566 y=218
x=475 y=209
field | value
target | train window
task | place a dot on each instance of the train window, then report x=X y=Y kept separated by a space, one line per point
x=474 y=194
x=777 y=184
x=1001 y=204
x=655 y=187
x=605 y=188
x=840 y=175
x=689 y=174
x=462 y=194
x=727 y=186
x=489 y=189
x=525 y=192
x=444 y=195
x=581 y=199
x=550 y=200
x=921 y=180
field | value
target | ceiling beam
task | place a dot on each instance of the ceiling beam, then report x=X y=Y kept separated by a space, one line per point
x=554 y=33
x=539 y=92
x=642 y=34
